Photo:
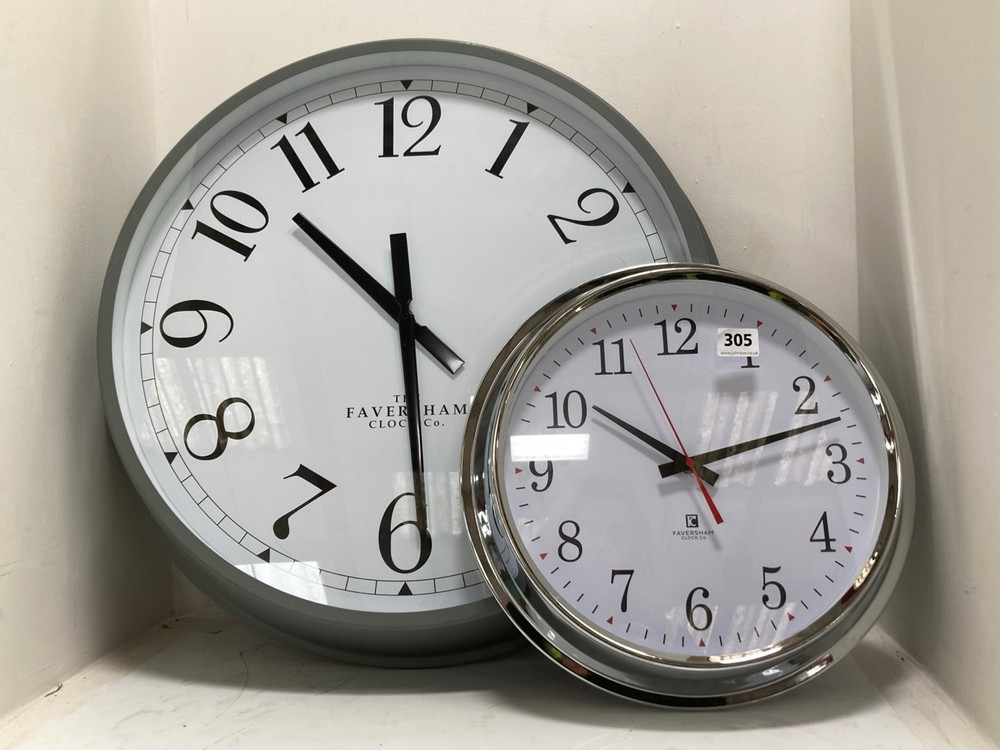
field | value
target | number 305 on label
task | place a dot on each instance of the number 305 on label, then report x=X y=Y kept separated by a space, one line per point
x=737 y=342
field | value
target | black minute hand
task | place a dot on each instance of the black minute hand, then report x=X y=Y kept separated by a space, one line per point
x=379 y=294
x=673 y=467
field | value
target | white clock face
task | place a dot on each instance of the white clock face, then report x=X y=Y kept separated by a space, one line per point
x=261 y=376
x=694 y=473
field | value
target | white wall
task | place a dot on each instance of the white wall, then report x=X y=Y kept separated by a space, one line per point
x=749 y=103
x=927 y=124
x=78 y=569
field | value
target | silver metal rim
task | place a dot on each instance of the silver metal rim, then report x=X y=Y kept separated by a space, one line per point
x=698 y=682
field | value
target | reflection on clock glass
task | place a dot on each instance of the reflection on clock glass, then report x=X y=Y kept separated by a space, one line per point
x=693 y=470
x=269 y=352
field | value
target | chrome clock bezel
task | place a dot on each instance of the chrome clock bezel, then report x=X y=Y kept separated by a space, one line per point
x=624 y=668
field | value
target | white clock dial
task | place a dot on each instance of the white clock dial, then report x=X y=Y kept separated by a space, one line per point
x=695 y=474
x=290 y=403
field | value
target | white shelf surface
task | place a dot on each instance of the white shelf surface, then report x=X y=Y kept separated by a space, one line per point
x=217 y=684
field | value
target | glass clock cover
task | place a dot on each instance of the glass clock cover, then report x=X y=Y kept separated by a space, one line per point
x=303 y=300
x=687 y=486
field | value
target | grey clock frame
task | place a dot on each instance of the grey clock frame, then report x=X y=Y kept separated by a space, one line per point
x=419 y=638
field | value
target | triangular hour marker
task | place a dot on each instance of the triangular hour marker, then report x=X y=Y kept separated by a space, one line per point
x=187 y=206
x=536 y=389
x=145 y=327
x=405 y=590
x=517 y=470
x=611 y=620
x=628 y=188
x=531 y=107
x=283 y=119
x=265 y=555
x=593 y=331
x=701 y=643
x=861 y=460
x=407 y=84
x=170 y=456
x=543 y=555
x=673 y=307
x=760 y=323
x=827 y=379
x=790 y=617
x=849 y=549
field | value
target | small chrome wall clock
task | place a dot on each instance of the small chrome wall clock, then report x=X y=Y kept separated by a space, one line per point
x=304 y=297
x=687 y=486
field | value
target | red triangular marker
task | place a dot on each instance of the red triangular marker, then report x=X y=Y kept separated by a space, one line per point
x=593 y=331
x=611 y=620
x=701 y=643
x=760 y=323
x=544 y=555
x=673 y=307
x=827 y=379
x=849 y=549
x=790 y=617
x=517 y=470
x=536 y=389
x=861 y=460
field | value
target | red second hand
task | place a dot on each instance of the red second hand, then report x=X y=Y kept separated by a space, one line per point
x=689 y=462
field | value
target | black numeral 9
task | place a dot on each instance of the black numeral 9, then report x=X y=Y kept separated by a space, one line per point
x=199 y=307
x=544 y=473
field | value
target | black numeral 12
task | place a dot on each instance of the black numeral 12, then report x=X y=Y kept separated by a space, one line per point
x=389 y=126
x=687 y=330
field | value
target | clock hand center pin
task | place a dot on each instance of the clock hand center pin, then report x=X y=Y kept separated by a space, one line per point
x=707 y=474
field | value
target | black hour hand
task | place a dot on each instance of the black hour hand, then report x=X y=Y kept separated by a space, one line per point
x=704 y=472
x=379 y=294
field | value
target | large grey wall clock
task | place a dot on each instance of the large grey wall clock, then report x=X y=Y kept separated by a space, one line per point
x=303 y=300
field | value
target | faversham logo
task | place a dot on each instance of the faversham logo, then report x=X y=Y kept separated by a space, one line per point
x=692 y=531
x=388 y=416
